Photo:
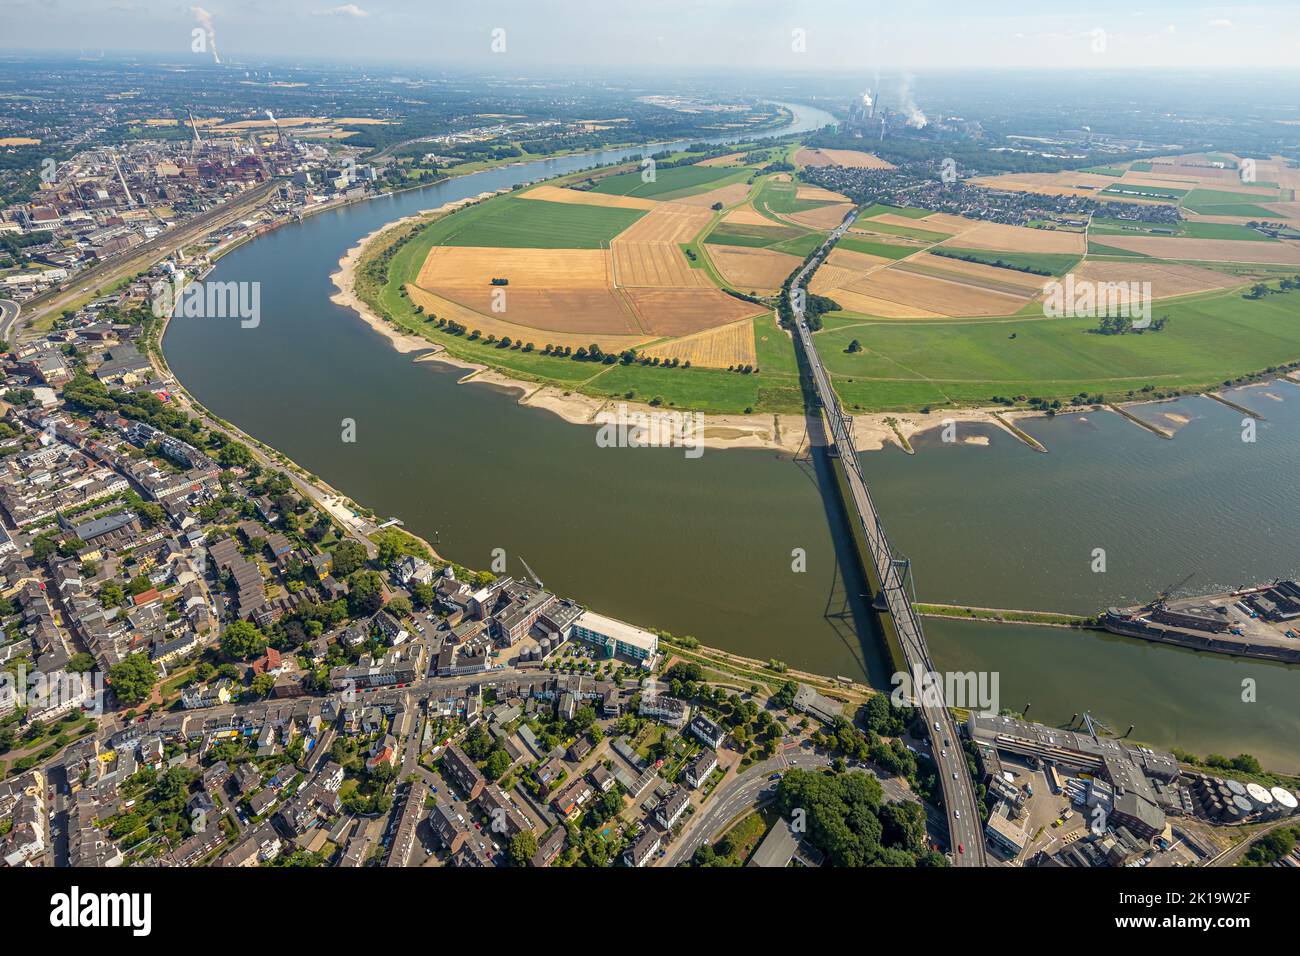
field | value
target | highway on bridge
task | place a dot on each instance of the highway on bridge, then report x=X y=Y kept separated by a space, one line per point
x=958 y=793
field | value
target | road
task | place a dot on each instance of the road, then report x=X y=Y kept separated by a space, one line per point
x=958 y=793
x=750 y=789
x=9 y=312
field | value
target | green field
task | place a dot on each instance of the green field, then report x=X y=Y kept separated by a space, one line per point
x=511 y=222
x=672 y=183
x=1185 y=229
x=758 y=237
x=1140 y=167
x=880 y=209
x=1106 y=170
x=1053 y=263
x=1098 y=249
x=801 y=245
x=906 y=232
x=1216 y=202
x=781 y=199
x=1209 y=338
x=888 y=250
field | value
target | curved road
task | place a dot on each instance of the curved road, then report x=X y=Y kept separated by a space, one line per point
x=9 y=312
x=749 y=789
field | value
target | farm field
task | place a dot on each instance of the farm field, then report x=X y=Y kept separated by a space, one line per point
x=761 y=271
x=1167 y=279
x=1051 y=263
x=848 y=158
x=876 y=247
x=721 y=347
x=1216 y=202
x=904 y=229
x=935 y=295
x=905 y=364
x=586 y=197
x=1002 y=238
x=676 y=179
x=1210 y=250
x=758 y=235
x=508 y=221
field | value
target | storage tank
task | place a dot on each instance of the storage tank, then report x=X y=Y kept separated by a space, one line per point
x=1258 y=795
x=1237 y=787
x=1285 y=799
x=1243 y=804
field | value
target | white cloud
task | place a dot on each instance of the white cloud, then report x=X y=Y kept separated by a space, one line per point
x=346 y=10
x=1221 y=24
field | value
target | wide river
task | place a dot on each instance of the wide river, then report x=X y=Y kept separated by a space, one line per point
x=704 y=546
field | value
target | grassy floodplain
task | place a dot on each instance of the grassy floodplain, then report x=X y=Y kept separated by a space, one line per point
x=906 y=364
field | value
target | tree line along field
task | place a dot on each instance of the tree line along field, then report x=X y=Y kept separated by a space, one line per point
x=1210 y=338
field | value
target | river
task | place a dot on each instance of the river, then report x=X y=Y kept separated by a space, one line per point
x=707 y=546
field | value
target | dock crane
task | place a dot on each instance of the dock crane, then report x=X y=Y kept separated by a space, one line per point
x=1163 y=596
x=531 y=573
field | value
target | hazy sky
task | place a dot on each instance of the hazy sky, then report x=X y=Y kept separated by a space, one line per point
x=741 y=34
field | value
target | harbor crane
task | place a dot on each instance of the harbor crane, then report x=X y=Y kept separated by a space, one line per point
x=531 y=573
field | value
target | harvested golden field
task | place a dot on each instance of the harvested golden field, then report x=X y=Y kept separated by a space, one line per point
x=449 y=267
x=667 y=222
x=1283 y=210
x=727 y=195
x=849 y=158
x=941 y=221
x=19 y=141
x=817 y=194
x=1209 y=250
x=554 y=310
x=683 y=311
x=843 y=268
x=648 y=252
x=881 y=308
x=1166 y=280
x=995 y=235
x=823 y=217
x=747 y=216
x=753 y=270
x=723 y=347
x=934 y=294
x=655 y=264
x=979 y=271
x=1048 y=184
x=587 y=198
x=893 y=219
x=731 y=159
x=492 y=324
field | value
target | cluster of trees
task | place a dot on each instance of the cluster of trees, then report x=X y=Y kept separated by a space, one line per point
x=1261 y=289
x=1123 y=324
x=847 y=819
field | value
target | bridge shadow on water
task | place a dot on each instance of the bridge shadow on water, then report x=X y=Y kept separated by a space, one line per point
x=848 y=608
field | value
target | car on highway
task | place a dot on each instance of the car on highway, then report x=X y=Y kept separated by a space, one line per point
x=954 y=775
x=936 y=725
x=960 y=849
x=957 y=814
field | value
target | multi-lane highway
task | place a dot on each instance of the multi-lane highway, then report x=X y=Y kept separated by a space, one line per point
x=958 y=794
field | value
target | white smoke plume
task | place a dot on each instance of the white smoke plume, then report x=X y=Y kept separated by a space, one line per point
x=205 y=21
x=915 y=118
